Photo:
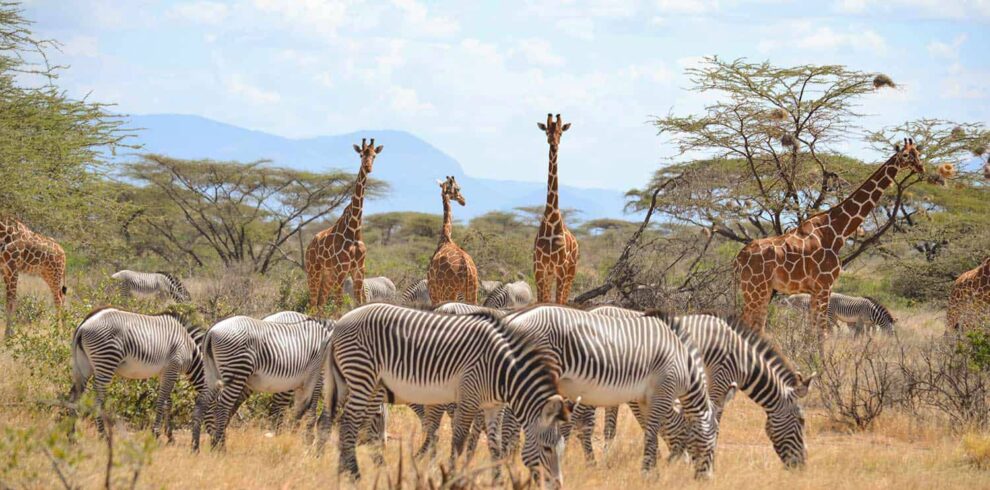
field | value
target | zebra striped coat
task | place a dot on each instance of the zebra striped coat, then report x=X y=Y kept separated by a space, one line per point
x=417 y=295
x=161 y=284
x=607 y=361
x=243 y=353
x=434 y=359
x=510 y=296
x=854 y=311
x=376 y=289
x=112 y=342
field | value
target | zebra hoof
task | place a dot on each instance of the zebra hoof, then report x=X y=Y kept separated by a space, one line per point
x=704 y=475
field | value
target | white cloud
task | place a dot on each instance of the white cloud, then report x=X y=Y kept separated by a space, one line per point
x=579 y=27
x=913 y=9
x=803 y=35
x=204 y=12
x=537 y=52
x=687 y=7
x=406 y=101
x=238 y=86
x=939 y=49
x=318 y=17
x=86 y=46
x=417 y=18
x=650 y=72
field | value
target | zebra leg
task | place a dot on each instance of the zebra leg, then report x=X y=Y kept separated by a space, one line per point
x=233 y=390
x=430 y=423
x=510 y=433
x=491 y=420
x=477 y=426
x=659 y=406
x=100 y=381
x=355 y=411
x=276 y=410
x=611 y=420
x=169 y=438
x=464 y=415
x=583 y=419
x=203 y=401
x=165 y=384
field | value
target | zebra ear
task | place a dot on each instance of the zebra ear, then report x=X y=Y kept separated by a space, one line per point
x=556 y=409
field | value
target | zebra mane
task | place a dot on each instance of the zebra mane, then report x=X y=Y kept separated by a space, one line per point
x=523 y=344
x=187 y=316
x=94 y=311
x=883 y=309
x=176 y=283
x=766 y=349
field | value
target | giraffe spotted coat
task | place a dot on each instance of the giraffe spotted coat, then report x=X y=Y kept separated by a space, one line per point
x=24 y=251
x=555 y=253
x=452 y=274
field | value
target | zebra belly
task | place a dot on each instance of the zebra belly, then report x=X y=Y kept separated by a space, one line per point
x=132 y=368
x=406 y=391
x=267 y=383
x=599 y=395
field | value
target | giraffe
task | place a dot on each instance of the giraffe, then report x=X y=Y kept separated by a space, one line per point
x=452 y=271
x=806 y=259
x=970 y=298
x=338 y=251
x=555 y=253
x=22 y=250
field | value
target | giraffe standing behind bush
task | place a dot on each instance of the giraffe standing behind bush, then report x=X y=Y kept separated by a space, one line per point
x=22 y=250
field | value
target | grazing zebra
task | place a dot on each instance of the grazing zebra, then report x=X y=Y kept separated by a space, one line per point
x=112 y=342
x=243 y=353
x=607 y=361
x=854 y=311
x=376 y=289
x=738 y=358
x=417 y=295
x=428 y=358
x=510 y=296
x=161 y=284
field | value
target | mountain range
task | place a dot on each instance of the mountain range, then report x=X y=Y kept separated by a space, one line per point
x=409 y=164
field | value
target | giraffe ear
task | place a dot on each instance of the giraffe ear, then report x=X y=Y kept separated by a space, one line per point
x=543 y=127
x=357 y=148
x=566 y=127
x=439 y=182
x=379 y=149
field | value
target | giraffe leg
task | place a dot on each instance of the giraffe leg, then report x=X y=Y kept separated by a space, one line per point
x=314 y=281
x=54 y=282
x=358 y=273
x=335 y=287
x=471 y=290
x=818 y=309
x=10 y=280
x=757 y=300
x=544 y=285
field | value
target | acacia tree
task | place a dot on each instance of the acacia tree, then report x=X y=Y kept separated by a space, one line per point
x=237 y=212
x=52 y=147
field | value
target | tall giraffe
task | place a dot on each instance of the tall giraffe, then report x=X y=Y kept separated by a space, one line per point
x=452 y=271
x=555 y=253
x=969 y=301
x=338 y=251
x=806 y=259
x=22 y=250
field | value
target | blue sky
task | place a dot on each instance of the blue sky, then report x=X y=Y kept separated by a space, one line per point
x=474 y=80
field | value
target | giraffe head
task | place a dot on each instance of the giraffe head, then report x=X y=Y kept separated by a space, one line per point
x=909 y=156
x=368 y=153
x=451 y=190
x=553 y=129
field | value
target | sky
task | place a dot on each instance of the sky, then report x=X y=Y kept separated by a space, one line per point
x=473 y=80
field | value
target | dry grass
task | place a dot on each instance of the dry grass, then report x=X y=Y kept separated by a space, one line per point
x=898 y=452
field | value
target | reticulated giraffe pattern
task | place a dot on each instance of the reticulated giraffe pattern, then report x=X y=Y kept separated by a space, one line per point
x=452 y=272
x=969 y=301
x=337 y=252
x=806 y=259
x=555 y=254
x=24 y=251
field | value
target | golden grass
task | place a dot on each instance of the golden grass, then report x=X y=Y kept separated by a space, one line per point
x=899 y=452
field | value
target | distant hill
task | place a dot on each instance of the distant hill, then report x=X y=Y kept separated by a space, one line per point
x=410 y=165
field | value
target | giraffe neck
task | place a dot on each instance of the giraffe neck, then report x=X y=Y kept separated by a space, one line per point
x=552 y=197
x=848 y=215
x=357 y=200
x=447 y=221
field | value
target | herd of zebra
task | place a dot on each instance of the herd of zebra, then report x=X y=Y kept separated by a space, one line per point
x=541 y=370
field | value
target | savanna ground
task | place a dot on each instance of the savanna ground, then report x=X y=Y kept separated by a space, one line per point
x=904 y=446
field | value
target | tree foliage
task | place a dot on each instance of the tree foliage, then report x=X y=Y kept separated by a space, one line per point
x=238 y=213
x=53 y=147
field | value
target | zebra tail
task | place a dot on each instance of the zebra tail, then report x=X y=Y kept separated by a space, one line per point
x=331 y=384
x=81 y=367
x=210 y=370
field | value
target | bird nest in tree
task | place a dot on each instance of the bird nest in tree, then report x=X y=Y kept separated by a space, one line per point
x=787 y=139
x=946 y=170
x=958 y=132
x=882 y=80
x=778 y=114
x=979 y=150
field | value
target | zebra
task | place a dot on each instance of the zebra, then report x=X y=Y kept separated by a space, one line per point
x=417 y=295
x=510 y=296
x=738 y=358
x=486 y=288
x=243 y=353
x=161 y=284
x=422 y=357
x=376 y=289
x=852 y=310
x=457 y=308
x=112 y=342
x=608 y=361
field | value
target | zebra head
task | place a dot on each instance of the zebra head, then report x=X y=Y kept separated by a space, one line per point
x=543 y=449
x=785 y=424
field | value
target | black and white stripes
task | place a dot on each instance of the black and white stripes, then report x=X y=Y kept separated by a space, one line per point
x=161 y=284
